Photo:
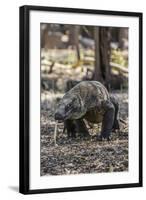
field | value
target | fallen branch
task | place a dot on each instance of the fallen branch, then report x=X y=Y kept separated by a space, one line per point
x=55 y=133
x=119 y=67
x=123 y=121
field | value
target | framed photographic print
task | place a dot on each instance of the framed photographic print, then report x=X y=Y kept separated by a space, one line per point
x=80 y=99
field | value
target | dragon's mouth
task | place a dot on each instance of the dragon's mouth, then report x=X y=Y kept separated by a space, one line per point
x=60 y=121
x=62 y=117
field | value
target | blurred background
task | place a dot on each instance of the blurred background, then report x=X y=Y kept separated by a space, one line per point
x=73 y=52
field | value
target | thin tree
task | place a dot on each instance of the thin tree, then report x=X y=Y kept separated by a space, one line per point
x=74 y=38
x=102 y=54
x=97 y=71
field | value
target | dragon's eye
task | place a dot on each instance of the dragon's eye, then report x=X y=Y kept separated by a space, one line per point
x=68 y=106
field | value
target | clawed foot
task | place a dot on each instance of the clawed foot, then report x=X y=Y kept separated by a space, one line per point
x=102 y=138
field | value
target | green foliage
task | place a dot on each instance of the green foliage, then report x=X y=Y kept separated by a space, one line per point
x=118 y=57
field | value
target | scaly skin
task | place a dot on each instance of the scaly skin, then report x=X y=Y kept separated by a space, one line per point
x=88 y=100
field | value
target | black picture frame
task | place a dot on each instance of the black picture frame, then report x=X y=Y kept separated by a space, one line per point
x=25 y=105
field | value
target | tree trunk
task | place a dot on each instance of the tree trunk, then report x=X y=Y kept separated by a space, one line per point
x=102 y=54
x=44 y=35
x=105 y=53
x=123 y=38
x=74 y=39
x=97 y=72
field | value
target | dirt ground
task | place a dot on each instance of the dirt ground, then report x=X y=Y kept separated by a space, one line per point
x=80 y=155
